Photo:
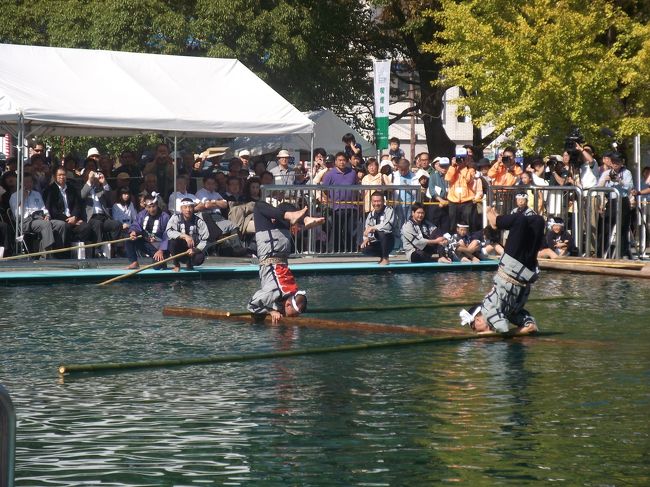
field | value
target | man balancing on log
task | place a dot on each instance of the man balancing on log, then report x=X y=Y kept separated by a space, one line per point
x=279 y=294
x=504 y=304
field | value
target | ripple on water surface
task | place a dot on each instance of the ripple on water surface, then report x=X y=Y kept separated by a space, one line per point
x=570 y=408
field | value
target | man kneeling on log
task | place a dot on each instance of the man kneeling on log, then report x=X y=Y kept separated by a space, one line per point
x=504 y=304
x=279 y=294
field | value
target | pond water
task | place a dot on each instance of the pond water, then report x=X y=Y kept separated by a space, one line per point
x=571 y=409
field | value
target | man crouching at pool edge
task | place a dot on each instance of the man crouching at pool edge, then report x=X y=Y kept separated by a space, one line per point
x=504 y=305
x=278 y=295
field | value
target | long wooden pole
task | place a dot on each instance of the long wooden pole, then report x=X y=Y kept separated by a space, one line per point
x=310 y=322
x=66 y=249
x=129 y=274
x=322 y=323
x=104 y=367
x=164 y=261
x=396 y=307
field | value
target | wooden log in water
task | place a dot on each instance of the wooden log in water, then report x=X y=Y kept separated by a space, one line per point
x=147 y=364
x=310 y=322
x=614 y=264
x=643 y=272
x=396 y=307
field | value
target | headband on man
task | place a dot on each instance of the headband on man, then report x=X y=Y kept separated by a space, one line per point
x=295 y=304
x=468 y=317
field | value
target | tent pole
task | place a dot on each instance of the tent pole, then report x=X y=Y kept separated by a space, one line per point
x=174 y=161
x=20 y=149
x=311 y=245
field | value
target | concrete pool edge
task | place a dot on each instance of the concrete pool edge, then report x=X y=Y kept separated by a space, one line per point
x=228 y=271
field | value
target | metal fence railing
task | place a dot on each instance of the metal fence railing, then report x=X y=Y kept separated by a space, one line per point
x=344 y=209
x=592 y=217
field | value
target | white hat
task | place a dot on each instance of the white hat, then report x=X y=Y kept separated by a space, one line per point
x=443 y=161
x=92 y=152
x=521 y=195
x=244 y=153
x=283 y=153
x=421 y=172
x=385 y=163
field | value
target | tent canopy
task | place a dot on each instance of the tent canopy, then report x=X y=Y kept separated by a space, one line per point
x=328 y=130
x=107 y=93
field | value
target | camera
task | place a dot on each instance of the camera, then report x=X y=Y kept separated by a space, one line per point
x=574 y=137
x=613 y=176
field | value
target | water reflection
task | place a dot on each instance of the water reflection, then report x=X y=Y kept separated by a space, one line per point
x=481 y=413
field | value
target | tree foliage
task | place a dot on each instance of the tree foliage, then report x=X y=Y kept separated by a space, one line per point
x=314 y=53
x=542 y=67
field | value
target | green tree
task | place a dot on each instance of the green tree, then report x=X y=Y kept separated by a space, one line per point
x=543 y=67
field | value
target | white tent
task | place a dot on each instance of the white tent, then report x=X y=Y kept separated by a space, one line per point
x=60 y=91
x=56 y=91
x=328 y=130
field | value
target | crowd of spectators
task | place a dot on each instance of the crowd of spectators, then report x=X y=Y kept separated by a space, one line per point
x=435 y=214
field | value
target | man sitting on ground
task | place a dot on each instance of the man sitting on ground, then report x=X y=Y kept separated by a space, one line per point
x=421 y=239
x=468 y=249
x=187 y=232
x=279 y=294
x=504 y=304
x=378 y=235
x=150 y=225
x=558 y=242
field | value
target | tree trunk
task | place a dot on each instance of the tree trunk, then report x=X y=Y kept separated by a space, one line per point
x=438 y=141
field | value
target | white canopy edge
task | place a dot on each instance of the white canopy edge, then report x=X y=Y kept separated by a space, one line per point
x=61 y=91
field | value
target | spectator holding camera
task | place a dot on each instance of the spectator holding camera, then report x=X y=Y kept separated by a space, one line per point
x=460 y=177
x=95 y=195
x=505 y=172
x=620 y=178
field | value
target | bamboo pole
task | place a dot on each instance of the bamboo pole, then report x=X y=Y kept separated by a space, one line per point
x=406 y=306
x=308 y=322
x=129 y=274
x=116 y=366
x=66 y=249
x=164 y=261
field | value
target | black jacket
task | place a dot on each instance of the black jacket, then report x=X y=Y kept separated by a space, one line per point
x=55 y=205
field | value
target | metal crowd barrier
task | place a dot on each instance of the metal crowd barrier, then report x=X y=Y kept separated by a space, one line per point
x=603 y=232
x=642 y=226
x=7 y=439
x=344 y=208
x=549 y=201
